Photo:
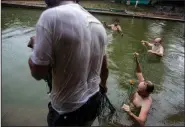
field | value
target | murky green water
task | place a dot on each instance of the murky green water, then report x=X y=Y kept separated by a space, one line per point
x=24 y=100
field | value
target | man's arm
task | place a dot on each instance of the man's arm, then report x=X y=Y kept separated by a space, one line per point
x=105 y=24
x=147 y=43
x=40 y=60
x=38 y=71
x=160 y=53
x=120 y=30
x=141 y=119
x=110 y=26
x=138 y=69
x=104 y=73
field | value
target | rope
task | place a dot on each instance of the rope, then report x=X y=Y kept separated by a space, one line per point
x=144 y=57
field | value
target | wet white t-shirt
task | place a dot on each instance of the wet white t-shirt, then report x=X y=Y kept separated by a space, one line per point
x=73 y=42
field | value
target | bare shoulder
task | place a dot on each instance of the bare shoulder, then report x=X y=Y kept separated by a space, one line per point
x=162 y=47
x=148 y=102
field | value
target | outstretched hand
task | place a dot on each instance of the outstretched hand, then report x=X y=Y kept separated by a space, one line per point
x=31 y=42
x=135 y=54
x=150 y=51
x=104 y=23
x=126 y=108
x=142 y=41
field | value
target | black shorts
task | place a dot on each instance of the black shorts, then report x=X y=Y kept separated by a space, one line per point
x=84 y=116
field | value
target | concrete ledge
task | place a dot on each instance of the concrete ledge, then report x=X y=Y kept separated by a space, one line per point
x=136 y=16
x=39 y=6
x=22 y=6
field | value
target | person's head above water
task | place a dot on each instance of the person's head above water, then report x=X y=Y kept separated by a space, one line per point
x=53 y=3
x=116 y=20
x=158 y=41
x=145 y=88
x=115 y=24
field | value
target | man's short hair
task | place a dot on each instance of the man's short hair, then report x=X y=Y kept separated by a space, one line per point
x=115 y=24
x=150 y=86
x=52 y=3
x=158 y=40
x=116 y=20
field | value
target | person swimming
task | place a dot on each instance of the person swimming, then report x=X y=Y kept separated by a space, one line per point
x=157 y=48
x=115 y=27
x=140 y=101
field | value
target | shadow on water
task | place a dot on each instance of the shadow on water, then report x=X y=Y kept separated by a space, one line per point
x=21 y=93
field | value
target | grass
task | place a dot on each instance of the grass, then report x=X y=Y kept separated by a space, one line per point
x=108 y=5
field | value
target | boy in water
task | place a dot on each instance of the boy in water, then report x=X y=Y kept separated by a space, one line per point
x=141 y=101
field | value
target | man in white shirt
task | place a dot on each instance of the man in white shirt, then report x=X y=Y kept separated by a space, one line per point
x=71 y=42
x=157 y=48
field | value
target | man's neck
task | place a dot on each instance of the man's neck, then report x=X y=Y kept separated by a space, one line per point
x=143 y=97
x=67 y=2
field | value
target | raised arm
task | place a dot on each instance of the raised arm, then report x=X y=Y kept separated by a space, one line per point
x=138 y=69
x=105 y=24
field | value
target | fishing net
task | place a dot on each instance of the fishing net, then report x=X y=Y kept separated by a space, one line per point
x=107 y=112
x=48 y=80
x=143 y=58
x=110 y=115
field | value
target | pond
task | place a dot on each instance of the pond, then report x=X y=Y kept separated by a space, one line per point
x=24 y=100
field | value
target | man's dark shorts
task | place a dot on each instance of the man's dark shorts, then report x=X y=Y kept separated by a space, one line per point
x=84 y=116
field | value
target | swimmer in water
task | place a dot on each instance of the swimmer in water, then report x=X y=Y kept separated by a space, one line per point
x=115 y=27
x=140 y=101
x=157 y=48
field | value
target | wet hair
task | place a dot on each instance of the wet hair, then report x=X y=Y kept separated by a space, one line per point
x=51 y=3
x=116 y=20
x=115 y=24
x=159 y=41
x=150 y=87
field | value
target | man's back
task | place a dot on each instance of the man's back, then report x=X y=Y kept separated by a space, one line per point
x=78 y=41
